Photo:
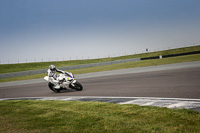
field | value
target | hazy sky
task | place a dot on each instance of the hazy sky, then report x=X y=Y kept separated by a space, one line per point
x=62 y=29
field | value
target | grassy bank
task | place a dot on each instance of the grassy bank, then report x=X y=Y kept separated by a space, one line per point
x=143 y=63
x=8 y=68
x=68 y=116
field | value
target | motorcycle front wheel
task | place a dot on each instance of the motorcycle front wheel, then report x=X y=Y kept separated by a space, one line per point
x=77 y=86
x=52 y=87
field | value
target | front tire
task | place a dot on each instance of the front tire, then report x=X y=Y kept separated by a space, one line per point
x=77 y=86
x=52 y=87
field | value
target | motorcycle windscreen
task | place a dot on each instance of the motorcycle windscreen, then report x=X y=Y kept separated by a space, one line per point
x=68 y=75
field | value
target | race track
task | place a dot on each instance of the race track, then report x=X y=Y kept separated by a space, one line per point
x=172 y=83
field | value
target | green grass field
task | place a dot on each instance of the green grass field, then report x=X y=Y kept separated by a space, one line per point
x=67 y=116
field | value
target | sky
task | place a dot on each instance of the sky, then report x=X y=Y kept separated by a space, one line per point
x=57 y=30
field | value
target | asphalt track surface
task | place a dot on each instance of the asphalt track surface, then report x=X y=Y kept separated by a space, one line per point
x=180 y=82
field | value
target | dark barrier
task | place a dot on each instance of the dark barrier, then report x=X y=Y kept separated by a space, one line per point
x=181 y=54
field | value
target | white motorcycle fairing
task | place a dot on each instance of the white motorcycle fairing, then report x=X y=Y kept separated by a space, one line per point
x=65 y=81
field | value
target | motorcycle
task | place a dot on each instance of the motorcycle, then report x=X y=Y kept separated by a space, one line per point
x=66 y=81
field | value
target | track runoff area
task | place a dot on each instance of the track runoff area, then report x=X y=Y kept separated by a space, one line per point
x=171 y=86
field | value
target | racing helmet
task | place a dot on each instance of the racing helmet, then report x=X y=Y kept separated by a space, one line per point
x=52 y=67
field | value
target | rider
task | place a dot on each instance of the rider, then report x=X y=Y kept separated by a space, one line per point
x=53 y=76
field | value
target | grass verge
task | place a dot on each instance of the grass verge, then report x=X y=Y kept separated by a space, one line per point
x=8 y=68
x=143 y=63
x=74 y=116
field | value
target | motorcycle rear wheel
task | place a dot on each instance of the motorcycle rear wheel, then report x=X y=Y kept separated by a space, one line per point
x=52 y=87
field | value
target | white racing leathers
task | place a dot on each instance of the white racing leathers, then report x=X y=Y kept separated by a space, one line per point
x=53 y=76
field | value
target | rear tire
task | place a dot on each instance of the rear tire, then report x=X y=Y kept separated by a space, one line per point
x=51 y=86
